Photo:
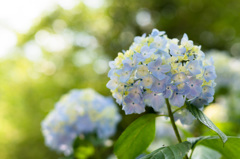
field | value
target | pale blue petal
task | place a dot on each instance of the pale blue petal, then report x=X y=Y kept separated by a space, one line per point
x=155 y=100
x=199 y=101
x=130 y=106
x=112 y=84
x=194 y=67
x=207 y=91
x=184 y=39
x=209 y=73
x=169 y=90
x=160 y=85
x=156 y=32
x=177 y=100
x=176 y=51
x=165 y=68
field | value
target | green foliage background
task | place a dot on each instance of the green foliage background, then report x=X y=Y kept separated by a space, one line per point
x=29 y=89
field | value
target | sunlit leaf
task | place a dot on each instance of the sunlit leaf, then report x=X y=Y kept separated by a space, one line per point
x=203 y=152
x=136 y=138
x=230 y=149
x=170 y=152
x=82 y=148
x=207 y=122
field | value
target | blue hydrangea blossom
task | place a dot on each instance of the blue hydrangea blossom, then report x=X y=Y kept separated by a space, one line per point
x=159 y=67
x=79 y=112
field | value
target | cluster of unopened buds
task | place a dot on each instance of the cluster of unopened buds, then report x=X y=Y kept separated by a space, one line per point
x=156 y=68
x=80 y=112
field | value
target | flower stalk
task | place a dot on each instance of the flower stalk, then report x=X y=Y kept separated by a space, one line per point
x=170 y=114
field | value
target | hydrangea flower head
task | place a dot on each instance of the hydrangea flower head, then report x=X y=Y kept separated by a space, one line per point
x=156 y=67
x=79 y=112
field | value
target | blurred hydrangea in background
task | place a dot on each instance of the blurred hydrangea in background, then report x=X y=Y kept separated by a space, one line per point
x=156 y=67
x=80 y=112
x=226 y=67
x=227 y=88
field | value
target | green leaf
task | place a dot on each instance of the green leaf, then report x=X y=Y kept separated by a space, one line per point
x=136 y=138
x=203 y=152
x=83 y=152
x=194 y=140
x=170 y=152
x=204 y=119
x=82 y=148
x=230 y=150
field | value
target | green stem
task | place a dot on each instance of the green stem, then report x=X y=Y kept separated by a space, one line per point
x=170 y=114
